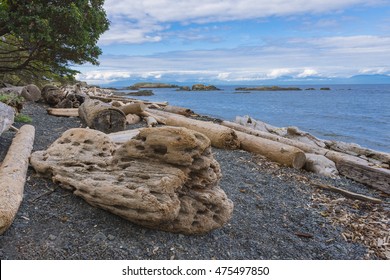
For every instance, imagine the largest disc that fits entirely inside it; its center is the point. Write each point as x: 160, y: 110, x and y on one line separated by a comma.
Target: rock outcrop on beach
x: 164, y: 178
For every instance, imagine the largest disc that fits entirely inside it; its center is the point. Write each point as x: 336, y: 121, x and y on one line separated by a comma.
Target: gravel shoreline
x: 276, y: 215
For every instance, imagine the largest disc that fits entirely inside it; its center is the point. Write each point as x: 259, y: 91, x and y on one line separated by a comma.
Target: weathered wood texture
x: 63, y: 112
x: 275, y: 151
x: 133, y: 108
x: 13, y: 175
x: 178, y: 110
x: 352, y: 167
x: 7, y: 115
x: 101, y: 116
x: 221, y: 137
x: 29, y: 92
x: 165, y: 178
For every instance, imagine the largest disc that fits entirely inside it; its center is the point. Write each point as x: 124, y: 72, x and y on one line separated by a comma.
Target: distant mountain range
x: 285, y: 80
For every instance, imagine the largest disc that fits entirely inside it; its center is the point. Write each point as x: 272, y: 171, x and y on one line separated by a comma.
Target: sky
x: 242, y: 41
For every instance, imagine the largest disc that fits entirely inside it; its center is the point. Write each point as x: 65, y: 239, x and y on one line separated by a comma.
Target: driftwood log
x: 178, y: 110
x: 7, y: 115
x: 13, y: 175
x: 132, y: 119
x: 101, y: 116
x: 63, y: 112
x: 29, y: 92
x: 278, y: 152
x: 52, y: 95
x: 352, y: 167
x: 165, y: 178
x: 133, y: 108
x: 221, y: 137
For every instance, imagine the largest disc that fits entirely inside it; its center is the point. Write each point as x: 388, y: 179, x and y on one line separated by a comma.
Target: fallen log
x: 112, y: 98
x: 178, y: 110
x: 352, y: 167
x: 275, y: 151
x: 221, y: 137
x: 63, y: 112
x: 7, y: 114
x: 30, y: 92
x: 133, y: 108
x: 101, y: 116
x: 13, y: 175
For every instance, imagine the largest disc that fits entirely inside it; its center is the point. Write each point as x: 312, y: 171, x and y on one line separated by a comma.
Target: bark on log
x: 278, y: 152
x: 7, y: 115
x: 30, y: 92
x: 13, y: 175
x: 221, y: 137
x: 178, y: 110
x: 133, y: 108
x: 101, y: 116
x: 63, y: 112
x: 352, y: 167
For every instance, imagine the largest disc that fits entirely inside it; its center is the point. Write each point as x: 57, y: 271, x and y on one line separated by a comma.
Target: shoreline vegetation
x: 245, y: 167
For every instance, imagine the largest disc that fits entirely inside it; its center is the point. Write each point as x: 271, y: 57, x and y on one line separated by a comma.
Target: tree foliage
x: 43, y: 38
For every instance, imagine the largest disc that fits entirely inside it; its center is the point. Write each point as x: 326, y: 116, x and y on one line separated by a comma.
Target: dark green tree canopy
x: 38, y: 36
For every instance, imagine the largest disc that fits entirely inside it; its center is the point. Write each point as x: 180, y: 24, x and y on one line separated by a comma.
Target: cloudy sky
x: 238, y: 41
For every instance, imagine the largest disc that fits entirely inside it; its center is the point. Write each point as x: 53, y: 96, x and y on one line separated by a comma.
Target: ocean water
x: 350, y: 113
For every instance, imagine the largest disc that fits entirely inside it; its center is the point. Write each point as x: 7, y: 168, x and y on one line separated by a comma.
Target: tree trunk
x: 221, y: 137
x: 100, y: 116
x: 278, y: 152
x: 13, y: 175
x: 352, y: 167
x: 7, y: 114
x: 29, y: 92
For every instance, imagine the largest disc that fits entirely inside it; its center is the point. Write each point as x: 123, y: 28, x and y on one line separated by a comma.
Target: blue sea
x: 350, y: 113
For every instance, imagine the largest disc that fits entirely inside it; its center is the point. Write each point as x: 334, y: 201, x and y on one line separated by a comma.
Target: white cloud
x: 138, y: 21
x: 307, y: 73
x: 332, y: 57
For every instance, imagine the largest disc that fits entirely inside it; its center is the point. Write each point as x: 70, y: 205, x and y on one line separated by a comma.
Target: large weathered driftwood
x: 133, y: 108
x: 101, y: 116
x: 29, y: 92
x: 221, y: 137
x: 178, y: 110
x: 165, y: 178
x: 278, y: 152
x: 7, y: 114
x: 13, y: 175
x: 347, y: 165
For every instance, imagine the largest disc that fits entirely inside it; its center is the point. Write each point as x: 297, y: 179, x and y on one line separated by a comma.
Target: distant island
x: 137, y: 86
x: 195, y: 87
x: 267, y: 88
x: 274, y: 88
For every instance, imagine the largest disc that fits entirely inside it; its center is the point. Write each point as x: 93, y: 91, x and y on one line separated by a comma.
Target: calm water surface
x: 350, y: 113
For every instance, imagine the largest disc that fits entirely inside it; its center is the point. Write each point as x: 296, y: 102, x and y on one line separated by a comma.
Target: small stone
x: 52, y: 237
x: 99, y: 237
x: 110, y: 237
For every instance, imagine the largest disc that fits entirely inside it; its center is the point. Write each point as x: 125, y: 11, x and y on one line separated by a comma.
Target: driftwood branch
x: 13, y: 175
x: 348, y: 193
